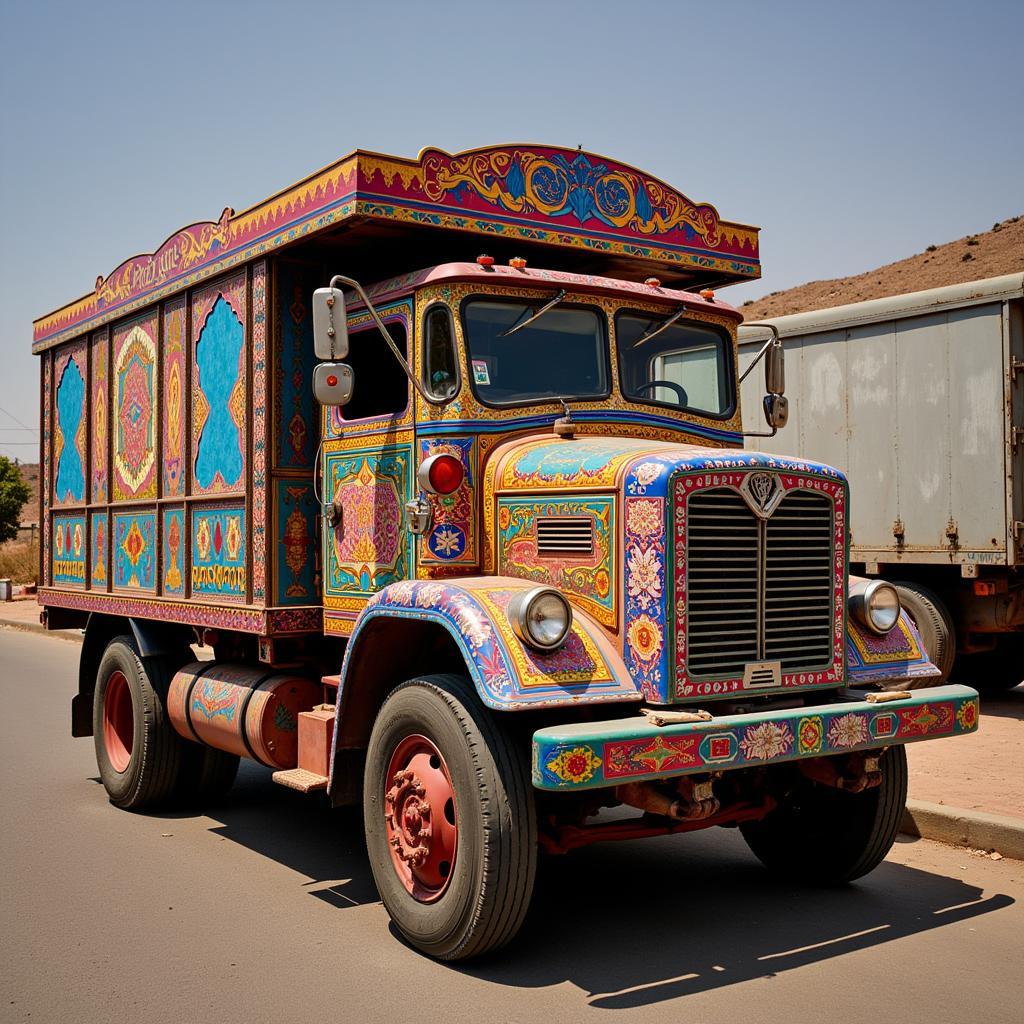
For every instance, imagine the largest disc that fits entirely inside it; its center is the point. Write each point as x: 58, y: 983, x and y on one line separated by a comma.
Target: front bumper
x: 589, y: 755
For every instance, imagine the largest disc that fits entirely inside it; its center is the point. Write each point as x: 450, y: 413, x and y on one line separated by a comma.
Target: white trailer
x: 919, y: 399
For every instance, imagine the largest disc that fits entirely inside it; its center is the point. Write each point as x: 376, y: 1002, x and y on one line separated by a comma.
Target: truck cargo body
x: 919, y: 399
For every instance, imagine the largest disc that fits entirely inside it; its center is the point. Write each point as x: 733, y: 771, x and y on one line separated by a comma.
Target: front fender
x: 897, y: 660
x: 507, y: 674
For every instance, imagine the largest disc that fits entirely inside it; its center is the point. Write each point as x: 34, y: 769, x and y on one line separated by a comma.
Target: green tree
x: 14, y: 493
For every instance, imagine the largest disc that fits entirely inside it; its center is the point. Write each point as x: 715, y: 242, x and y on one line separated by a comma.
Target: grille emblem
x: 762, y: 492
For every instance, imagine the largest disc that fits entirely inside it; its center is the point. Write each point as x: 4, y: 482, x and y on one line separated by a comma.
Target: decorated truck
x: 468, y: 538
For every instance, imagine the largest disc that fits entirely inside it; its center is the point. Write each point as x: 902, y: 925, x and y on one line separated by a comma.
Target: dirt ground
x: 990, y: 254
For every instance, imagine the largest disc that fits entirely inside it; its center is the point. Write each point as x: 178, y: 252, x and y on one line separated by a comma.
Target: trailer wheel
x: 934, y: 623
x: 451, y: 829
x: 137, y: 750
x: 827, y: 836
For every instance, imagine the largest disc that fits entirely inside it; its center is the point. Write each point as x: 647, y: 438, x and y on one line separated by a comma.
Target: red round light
x: 652, y: 282
x: 445, y: 474
x: 485, y: 261
x: 332, y: 381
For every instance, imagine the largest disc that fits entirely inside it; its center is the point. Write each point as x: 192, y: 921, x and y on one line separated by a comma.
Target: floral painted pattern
x: 575, y: 765
x: 766, y: 740
x: 848, y: 730
x: 644, y: 573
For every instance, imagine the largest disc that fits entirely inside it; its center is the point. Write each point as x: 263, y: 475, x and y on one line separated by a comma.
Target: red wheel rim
x: 118, y: 721
x: 419, y: 814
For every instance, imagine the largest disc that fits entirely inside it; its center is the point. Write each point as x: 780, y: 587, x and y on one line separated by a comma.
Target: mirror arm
x: 358, y: 289
x: 759, y: 433
x: 773, y: 340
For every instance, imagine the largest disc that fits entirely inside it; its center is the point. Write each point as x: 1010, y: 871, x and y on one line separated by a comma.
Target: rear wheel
x: 137, y: 751
x: 935, y: 625
x: 825, y: 835
x: 450, y: 823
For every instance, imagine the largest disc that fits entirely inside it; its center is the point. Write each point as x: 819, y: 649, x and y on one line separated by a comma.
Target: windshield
x: 685, y: 366
x: 561, y: 354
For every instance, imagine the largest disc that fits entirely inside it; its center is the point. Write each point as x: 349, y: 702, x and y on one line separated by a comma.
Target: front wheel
x: 450, y: 824
x: 827, y: 836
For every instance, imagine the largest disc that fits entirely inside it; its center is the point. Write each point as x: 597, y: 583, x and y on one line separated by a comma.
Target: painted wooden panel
x: 173, y: 386
x: 370, y: 548
x: 99, y: 389
x: 296, y: 543
x: 134, y: 551
x: 172, y: 554
x: 99, y: 551
x: 134, y: 408
x: 218, y: 386
x: 69, y: 425
x: 295, y: 419
x: 218, y: 552
x: 69, y: 550
x: 452, y: 539
x: 259, y: 432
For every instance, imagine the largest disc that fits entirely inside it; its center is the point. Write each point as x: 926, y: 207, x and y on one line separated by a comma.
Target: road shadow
x: 630, y: 924
x: 1004, y: 705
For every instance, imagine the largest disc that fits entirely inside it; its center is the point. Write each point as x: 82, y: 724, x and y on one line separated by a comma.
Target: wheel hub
x: 118, y: 721
x: 419, y: 815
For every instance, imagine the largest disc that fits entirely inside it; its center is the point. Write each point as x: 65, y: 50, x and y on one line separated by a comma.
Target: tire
x: 994, y: 671
x: 137, y: 751
x: 480, y: 903
x: 935, y: 625
x: 827, y: 836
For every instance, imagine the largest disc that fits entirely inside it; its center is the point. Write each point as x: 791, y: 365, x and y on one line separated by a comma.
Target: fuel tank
x: 241, y: 709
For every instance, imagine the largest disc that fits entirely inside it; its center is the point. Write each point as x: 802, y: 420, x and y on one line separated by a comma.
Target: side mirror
x: 330, y: 326
x: 775, y: 369
x: 333, y: 383
x: 776, y: 411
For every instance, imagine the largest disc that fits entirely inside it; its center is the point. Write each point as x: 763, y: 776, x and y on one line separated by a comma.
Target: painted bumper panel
x: 589, y: 755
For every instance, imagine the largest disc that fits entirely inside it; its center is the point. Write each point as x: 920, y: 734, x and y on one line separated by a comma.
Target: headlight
x: 540, y: 617
x: 876, y: 606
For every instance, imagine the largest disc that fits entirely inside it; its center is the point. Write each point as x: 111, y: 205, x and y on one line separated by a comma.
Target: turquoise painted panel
x: 296, y: 543
x: 69, y: 551
x: 294, y: 415
x: 70, y: 483
x: 134, y: 550
x: 172, y: 552
x: 218, y: 350
x: 218, y: 552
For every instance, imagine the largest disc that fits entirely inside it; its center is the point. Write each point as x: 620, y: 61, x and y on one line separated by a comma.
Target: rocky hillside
x: 995, y: 252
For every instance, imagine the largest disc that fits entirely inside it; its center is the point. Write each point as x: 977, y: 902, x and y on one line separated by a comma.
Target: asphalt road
x: 264, y: 910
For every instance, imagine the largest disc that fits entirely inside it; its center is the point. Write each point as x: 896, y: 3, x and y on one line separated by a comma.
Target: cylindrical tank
x: 241, y: 709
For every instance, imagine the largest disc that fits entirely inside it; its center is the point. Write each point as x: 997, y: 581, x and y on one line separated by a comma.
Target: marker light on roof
x: 517, y: 263
x: 652, y: 282
x: 485, y: 261
x: 708, y: 294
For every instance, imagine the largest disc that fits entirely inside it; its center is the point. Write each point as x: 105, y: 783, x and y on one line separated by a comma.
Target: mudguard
x: 897, y: 660
x: 508, y: 675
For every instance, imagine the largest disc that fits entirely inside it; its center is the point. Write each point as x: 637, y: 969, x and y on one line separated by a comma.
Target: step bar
x: 591, y: 755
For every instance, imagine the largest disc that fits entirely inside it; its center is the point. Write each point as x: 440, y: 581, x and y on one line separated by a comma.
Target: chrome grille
x: 565, y: 535
x: 758, y: 590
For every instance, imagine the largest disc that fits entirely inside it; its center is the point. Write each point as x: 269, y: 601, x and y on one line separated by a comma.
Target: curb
x: 955, y: 826
x: 74, y: 635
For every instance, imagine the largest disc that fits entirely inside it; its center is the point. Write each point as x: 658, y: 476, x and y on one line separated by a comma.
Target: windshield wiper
x: 663, y: 326
x: 536, y: 316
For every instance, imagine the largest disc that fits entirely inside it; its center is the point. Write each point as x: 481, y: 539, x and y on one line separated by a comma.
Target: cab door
x: 368, y: 472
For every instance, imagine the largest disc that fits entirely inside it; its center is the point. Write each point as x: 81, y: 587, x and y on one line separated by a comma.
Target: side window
x: 381, y: 387
x: 440, y: 360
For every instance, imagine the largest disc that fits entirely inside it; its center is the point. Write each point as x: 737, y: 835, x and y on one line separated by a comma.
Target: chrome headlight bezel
x: 864, y: 607
x: 519, y: 614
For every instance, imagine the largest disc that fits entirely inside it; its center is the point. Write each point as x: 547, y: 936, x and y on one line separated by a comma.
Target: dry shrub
x: 19, y: 561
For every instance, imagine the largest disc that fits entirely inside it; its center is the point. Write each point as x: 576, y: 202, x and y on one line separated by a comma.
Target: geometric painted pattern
x: 134, y: 409
x: 134, y: 550
x: 173, y: 387
x: 69, y: 550
x: 172, y: 559
x: 98, y: 417
x: 218, y: 552
x: 70, y: 425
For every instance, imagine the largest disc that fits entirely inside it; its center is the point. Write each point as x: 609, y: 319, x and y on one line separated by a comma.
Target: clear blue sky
x: 853, y: 133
